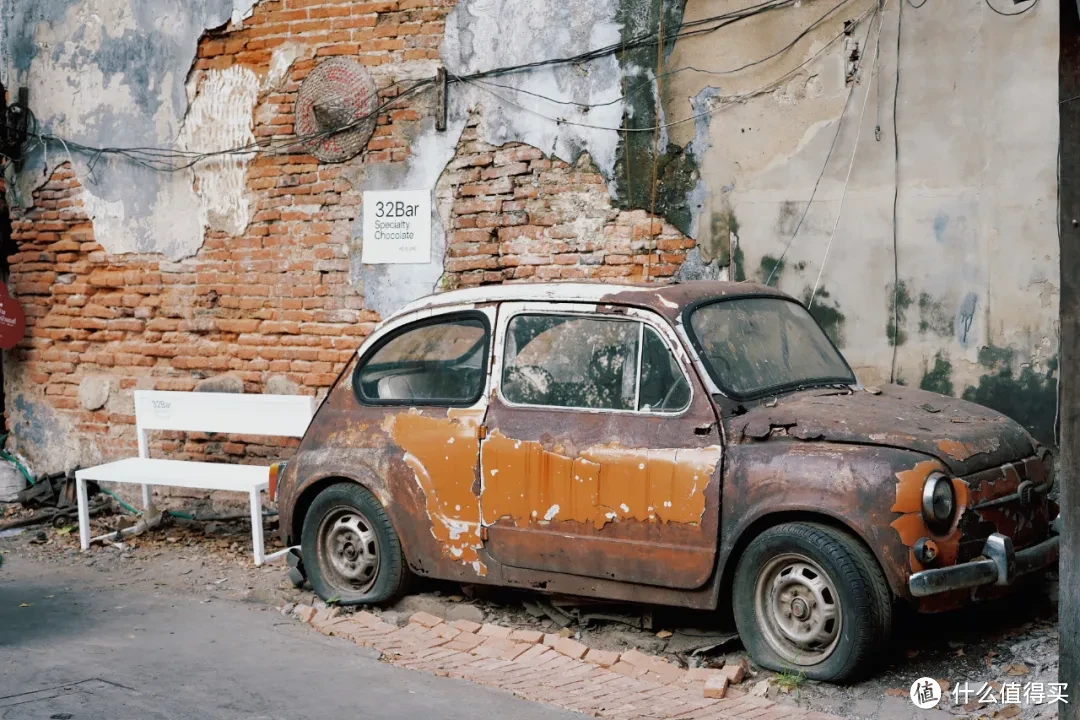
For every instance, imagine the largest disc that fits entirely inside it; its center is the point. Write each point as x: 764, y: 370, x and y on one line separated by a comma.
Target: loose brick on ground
x: 490, y: 630
x: 425, y: 619
x: 716, y: 686
x: 570, y: 648
x: 466, y: 625
x: 527, y: 636
x: 603, y: 658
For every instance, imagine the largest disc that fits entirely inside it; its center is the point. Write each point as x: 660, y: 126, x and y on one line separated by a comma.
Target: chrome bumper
x: 1002, y: 565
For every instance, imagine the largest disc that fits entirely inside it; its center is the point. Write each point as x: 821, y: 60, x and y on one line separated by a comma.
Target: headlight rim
x: 935, y: 523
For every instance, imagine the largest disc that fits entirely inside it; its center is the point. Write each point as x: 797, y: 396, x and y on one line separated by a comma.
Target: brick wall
x: 273, y: 307
x: 518, y: 215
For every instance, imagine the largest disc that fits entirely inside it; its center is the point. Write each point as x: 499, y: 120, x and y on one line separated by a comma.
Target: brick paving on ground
x: 552, y: 669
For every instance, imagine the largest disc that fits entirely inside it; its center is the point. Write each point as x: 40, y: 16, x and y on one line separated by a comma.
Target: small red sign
x: 12, y: 320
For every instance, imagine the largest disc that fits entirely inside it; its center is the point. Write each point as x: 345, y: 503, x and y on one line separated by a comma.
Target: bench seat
x: 180, y: 473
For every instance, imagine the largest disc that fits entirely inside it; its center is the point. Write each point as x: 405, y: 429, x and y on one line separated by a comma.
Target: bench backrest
x: 280, y: 415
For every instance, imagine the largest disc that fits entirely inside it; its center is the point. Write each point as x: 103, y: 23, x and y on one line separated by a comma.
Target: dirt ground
x: 1012, y: 641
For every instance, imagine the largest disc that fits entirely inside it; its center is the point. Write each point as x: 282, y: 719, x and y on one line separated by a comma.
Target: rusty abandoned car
x: 688, y: 445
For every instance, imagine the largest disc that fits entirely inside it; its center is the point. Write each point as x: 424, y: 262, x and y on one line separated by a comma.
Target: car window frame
x: 405, y: 327
x: 633, y: 315
x: 699, y: 350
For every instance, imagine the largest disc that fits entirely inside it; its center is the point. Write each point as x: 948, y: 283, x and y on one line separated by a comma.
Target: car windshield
x: 752, y: 346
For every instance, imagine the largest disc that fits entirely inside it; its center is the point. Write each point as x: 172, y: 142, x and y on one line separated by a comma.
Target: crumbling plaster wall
x: 976, y: 242
x: 104, y: 73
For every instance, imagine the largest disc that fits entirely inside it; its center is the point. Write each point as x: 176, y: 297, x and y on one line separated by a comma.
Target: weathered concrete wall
x: 250, y: 265
x: 975, y: 244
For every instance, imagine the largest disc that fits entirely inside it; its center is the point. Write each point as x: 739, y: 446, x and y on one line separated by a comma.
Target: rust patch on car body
x: 442, y: 453
x: 527, y: 483
x: 963, y: 450
x: 965, y: 437
x: 912, y: 525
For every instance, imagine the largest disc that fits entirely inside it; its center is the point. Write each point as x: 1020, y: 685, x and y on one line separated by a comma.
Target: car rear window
x: 427, y: 363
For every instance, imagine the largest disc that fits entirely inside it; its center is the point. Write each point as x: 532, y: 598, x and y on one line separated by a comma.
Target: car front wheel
x: 350, y: 549
x: 811, y: 599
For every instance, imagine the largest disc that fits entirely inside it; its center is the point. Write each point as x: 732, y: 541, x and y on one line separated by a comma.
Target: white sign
x: 397, y: 226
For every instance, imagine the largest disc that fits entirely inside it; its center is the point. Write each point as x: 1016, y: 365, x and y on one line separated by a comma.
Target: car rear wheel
x: 351, y: 552
x: 811, y: 599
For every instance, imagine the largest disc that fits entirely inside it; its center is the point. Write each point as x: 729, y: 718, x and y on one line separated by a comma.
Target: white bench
x: 279, y: 415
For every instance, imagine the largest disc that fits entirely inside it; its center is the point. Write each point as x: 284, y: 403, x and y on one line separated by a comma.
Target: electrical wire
x: 722, y: 20
x: 912, y: 4
x: 782, y: 50
x: 817, y: 183
x: 650, y: 83
x: 851, y: 166
x: 175, y: 160
x: 896, y: 197
x: 828, y: 155
x: 1006, y: 14
x: 719, y: 101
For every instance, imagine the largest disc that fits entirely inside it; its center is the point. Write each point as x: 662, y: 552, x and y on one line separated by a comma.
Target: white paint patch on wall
x: 219, y: 118
x: 485, y: 34
x: 108, y: 220
x: 242, y: 10
x: 281, y: 60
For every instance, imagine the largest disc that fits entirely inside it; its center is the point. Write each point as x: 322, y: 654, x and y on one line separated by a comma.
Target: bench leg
x: 256, y: 527
x: 147, y: 496
x: 84, y: 514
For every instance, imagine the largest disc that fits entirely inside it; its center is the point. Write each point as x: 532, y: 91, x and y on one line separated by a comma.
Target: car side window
x: 664, y: 387
x: 591, y: 363
x: 427, y: 363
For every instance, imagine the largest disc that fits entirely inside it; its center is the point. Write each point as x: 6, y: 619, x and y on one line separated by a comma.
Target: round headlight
x: 938, y: 501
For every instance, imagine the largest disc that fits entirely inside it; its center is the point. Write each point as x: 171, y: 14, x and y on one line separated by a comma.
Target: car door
x: 423, y: 384
x: 602, y: 455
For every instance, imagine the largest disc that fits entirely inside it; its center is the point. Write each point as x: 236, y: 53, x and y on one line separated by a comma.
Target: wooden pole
x: 1069, y: 376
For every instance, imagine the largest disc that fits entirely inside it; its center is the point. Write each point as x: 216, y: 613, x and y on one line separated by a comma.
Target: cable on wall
x: 174, y: 160
x: 1007, y: 14
x: 847, y: 180
x: 896, y: 197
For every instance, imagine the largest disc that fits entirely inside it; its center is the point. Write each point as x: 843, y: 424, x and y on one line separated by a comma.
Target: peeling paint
x: 220, y: 118
x: 446, y: 473
x: 911, y: 526
x: 962, y: 451
x: 597, y: 485
x: 105, y: 73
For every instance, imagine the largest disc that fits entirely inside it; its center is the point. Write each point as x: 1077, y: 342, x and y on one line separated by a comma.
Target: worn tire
x: 862, y: 593
x: 391, y: 577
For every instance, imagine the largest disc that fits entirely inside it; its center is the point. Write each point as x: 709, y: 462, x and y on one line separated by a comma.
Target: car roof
x: 668, y: 300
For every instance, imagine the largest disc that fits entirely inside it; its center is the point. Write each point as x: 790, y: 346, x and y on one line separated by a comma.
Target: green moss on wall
x: 1030, y: 397
x: 827, y: 313
x: 899, y: 300
x: 676, y: 169
x: 939, y: 378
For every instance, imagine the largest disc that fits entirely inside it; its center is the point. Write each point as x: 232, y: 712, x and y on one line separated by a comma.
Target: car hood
x: 964, y: 436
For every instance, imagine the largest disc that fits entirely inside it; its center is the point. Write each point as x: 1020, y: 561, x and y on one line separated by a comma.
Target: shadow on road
x: 34, y: 611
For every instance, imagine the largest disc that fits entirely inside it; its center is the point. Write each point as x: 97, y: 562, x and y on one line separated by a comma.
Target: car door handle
x: 705, y: 429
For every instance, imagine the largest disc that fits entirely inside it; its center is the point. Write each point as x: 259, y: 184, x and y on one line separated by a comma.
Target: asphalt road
x: 85, y: 649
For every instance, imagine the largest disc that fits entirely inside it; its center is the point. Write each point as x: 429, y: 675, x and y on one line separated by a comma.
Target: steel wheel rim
x: 349, y: 550
x: 798, y: 609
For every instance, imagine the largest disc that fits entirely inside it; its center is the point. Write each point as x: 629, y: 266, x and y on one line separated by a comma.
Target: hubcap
x: 797, y: 609
x: 349, y: 549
